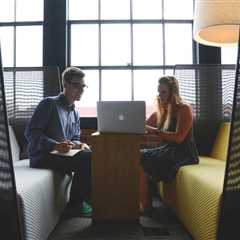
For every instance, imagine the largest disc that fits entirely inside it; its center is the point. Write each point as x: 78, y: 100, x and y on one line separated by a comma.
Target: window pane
x: 84, y: 45
x: 83, y: 9
x: 178, y: 44
x: 116, y: 85
x: 145, y: 87
x: 6, y: 10
x: 147, y: 9
x: 168, y: 72
x: 87, y: 105
x: 115, y: 44
x: 175, y: 9
x: 147, y: 42
x: 229, y: 55
x: 117, y: 9
x: 29, y: 46
x: 6, y: 36
x: 29, y: 10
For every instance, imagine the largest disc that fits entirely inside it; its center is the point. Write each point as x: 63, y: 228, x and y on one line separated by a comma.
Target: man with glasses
x: 55, y: 128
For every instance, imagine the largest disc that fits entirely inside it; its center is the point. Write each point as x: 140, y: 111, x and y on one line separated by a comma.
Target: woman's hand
x: 152, y: 140
x: 151, y: 130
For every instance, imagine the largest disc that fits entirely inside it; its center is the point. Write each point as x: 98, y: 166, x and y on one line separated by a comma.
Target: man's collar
x: 64, y: 102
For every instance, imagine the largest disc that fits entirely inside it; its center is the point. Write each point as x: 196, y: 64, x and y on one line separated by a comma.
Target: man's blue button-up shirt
x: 53, y: 121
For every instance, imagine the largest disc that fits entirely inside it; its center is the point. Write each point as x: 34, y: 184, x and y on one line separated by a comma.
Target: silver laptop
x: 121, y: 116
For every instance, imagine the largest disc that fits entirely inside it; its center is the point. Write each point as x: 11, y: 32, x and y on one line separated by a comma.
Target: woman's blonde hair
x: 164, y: 117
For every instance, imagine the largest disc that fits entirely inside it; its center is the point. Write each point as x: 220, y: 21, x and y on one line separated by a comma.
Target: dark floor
x: 158, y: 224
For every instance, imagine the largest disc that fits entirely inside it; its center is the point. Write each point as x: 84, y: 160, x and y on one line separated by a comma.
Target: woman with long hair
x: 171, y: 124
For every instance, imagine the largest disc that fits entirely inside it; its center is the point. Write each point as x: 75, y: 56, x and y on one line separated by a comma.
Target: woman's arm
x: 151, y: 137
x: 152, y: 120
x: 184, y: 123
x: 151, y: 124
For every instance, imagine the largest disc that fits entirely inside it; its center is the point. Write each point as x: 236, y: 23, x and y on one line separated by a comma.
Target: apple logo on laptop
x: 121, y: 117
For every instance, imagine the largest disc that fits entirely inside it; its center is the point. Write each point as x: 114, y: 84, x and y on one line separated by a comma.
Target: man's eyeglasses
x: 78, y: 85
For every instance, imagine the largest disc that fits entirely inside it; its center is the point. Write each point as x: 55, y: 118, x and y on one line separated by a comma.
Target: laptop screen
x: 121, y: 116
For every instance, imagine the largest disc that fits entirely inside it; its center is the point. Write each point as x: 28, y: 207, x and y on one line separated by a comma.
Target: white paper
x: 70, y: 153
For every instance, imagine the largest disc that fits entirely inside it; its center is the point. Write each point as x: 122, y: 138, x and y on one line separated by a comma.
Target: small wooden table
x: 115, y: 176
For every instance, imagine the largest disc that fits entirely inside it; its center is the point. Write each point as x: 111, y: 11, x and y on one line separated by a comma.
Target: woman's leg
x: 151, y: 167
x: 145, y: 198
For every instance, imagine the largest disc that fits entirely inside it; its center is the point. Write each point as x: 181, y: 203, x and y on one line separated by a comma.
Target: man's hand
x: 64, y: 147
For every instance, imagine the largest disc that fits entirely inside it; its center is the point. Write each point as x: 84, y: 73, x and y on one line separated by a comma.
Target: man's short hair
x: 72, y: 75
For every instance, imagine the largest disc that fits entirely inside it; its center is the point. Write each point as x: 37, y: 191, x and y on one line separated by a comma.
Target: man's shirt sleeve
x: 76, y: 129
x: 37, y: 126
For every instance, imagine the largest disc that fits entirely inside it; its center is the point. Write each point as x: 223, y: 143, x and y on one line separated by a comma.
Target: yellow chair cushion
x: 220, y: 146
x: 195, y: 193
x: 195, y: 196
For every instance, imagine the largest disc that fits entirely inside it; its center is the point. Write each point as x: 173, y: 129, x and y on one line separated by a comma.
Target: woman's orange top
x: 184, y: 118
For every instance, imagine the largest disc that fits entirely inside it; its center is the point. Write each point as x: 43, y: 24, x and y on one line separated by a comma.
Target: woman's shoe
x: 147, y: 211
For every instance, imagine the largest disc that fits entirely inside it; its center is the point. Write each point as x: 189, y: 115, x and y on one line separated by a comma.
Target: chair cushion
x: 220, y: 146
x: 195, y: 195
x: 19, y: 126
x: 43, y: 195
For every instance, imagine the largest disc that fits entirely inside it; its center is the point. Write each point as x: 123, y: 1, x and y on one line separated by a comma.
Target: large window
x: 21, y: 32
x: 124, y: 46
x: 229, y: 55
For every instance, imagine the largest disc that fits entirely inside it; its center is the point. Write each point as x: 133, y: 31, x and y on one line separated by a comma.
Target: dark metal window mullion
x: 21, y: 23
x: 69, y: 43
x: 131, y: 49
x: 14, y: 34
x: 194, y: 49
x: 99, y: 50
x: 194, y: 44
x: 124, y: 67
x: 68, y: 38
x: 14, y: 58
x: 114, y: 21
x: 163, y: 38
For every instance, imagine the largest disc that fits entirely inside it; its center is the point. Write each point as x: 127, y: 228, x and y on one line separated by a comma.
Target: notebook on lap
x: 121, y: 116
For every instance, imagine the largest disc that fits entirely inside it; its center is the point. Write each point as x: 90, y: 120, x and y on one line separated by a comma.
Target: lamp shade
x: 216, y: 22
